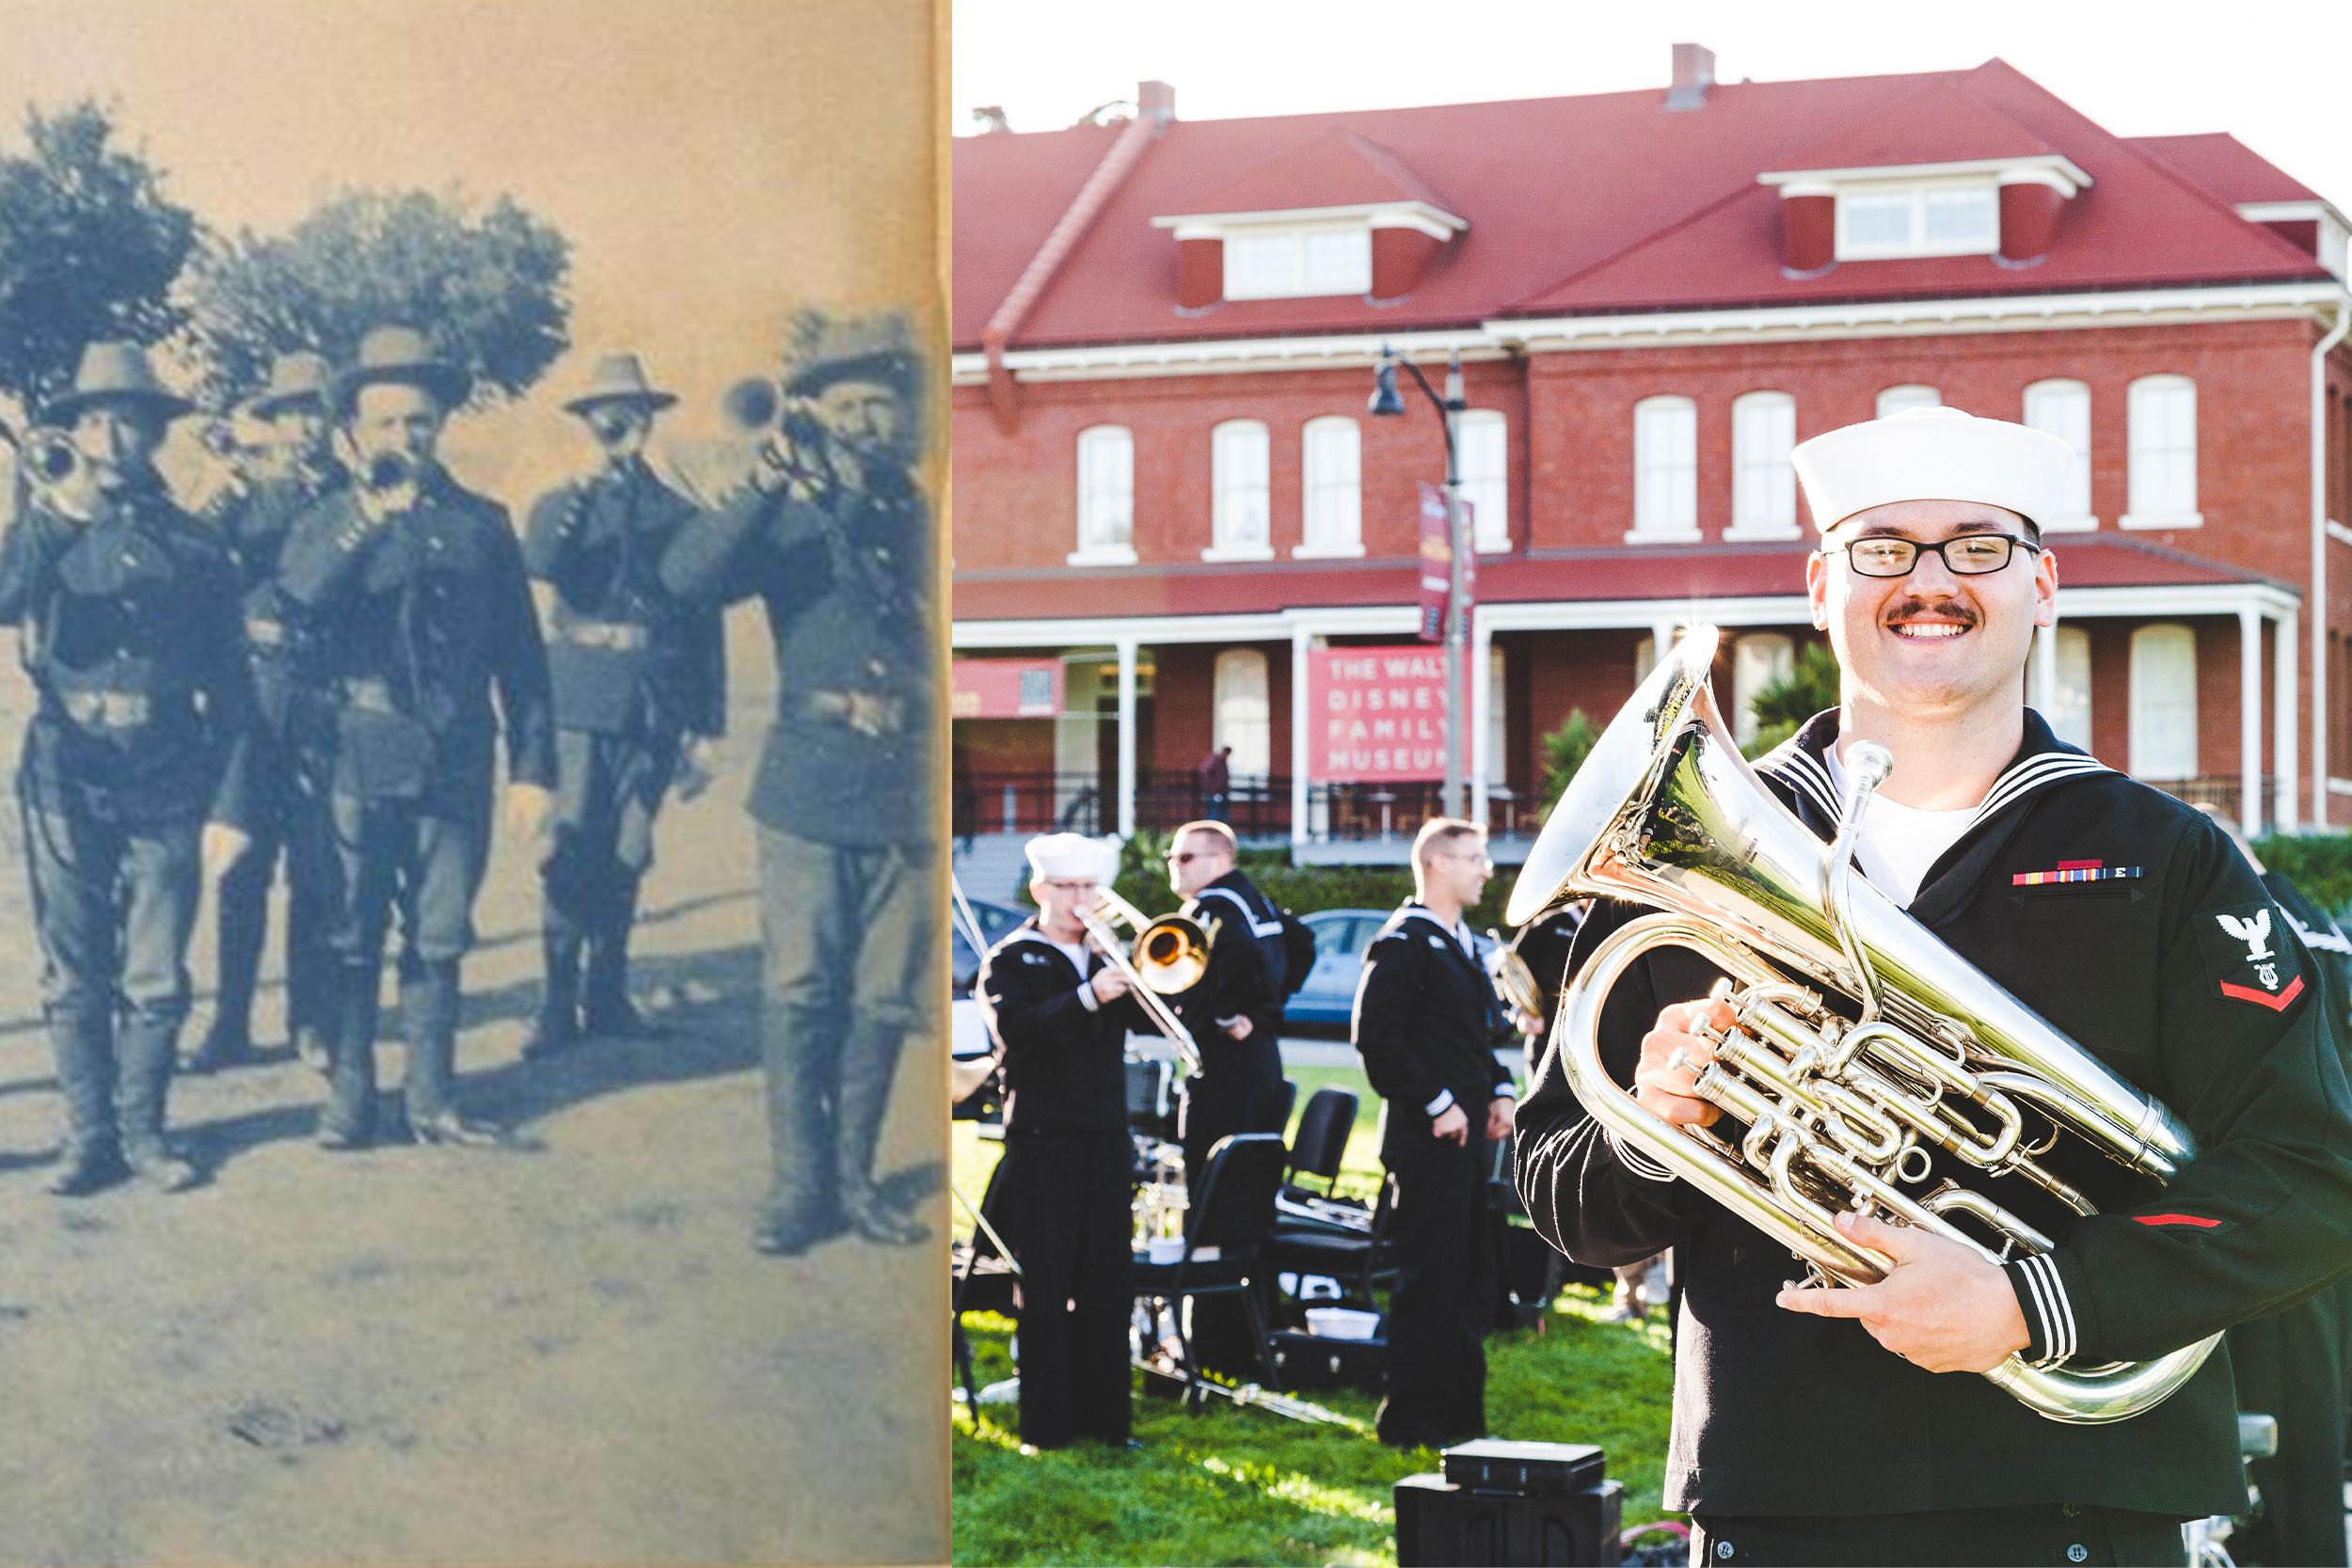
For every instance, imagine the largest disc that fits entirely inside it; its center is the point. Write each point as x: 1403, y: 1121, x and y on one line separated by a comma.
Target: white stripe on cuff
x: 1086, y: 998
x: 2059, y: 1338
x: 1438, y: 1106
x: 1507, y: 1090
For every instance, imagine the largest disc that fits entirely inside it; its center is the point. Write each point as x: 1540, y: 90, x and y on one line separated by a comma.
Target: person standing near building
x: 126, y: 609
x: 1216, y: 776
x: 297, y: 469
x: 1060, y: 1013
x: 1425, y: 1022
x: 834, y: 537
x: 410, y: 594
x: 1235, y: 1013
x: 640, y: 683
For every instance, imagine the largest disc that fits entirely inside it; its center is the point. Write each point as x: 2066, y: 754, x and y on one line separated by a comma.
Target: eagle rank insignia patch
x: 2250, y: 956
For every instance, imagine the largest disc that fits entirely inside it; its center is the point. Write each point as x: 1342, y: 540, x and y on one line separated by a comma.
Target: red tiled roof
x: 1338, y: 168
x: 1938, y: 125
x: 2227, y: 167
x: 1561, y: 194
x: 1669, y: 574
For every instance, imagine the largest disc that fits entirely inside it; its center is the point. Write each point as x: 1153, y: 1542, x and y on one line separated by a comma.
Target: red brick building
x: 1167, y: 494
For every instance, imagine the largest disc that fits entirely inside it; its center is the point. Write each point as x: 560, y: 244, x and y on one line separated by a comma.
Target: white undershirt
x: 1898, y: 842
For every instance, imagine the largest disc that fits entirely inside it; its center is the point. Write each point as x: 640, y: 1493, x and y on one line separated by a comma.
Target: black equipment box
x: 1439, y: 1522
x: 1494, y: 1464
x: 1315, y: 1361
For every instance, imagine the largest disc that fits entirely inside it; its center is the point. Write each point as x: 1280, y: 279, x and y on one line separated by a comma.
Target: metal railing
x: 2221, y: 791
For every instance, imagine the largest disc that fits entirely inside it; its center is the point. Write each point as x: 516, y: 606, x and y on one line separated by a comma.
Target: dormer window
x: 2004, y: 208
x: 1297, y: 263
x: 1919, y: 220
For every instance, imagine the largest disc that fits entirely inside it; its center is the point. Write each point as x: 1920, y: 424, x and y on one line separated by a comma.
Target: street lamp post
x: 1387, y: 403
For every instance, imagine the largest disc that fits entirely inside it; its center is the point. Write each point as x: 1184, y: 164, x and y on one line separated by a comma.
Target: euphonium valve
x: 1869, y: 1066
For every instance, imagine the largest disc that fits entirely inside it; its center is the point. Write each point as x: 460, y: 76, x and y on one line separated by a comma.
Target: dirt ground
x: 564, y: 1353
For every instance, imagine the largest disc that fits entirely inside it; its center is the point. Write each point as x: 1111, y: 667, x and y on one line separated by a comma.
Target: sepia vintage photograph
x: 473, y: 1031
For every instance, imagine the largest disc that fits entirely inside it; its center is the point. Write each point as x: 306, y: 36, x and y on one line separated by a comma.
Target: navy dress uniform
x: 1239, y: 1087
x: 410, y: 623
x: 1425, y: 1022
x: 1068, y: 1182
x: 844, y: 797
x: 128, y: 629
x: 287, y: 799
x: 637, y: 676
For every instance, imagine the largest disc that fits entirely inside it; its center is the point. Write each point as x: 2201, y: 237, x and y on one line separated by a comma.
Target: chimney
x: 991, y: 118
x: 1156, y: 101
x: 1694, y: 72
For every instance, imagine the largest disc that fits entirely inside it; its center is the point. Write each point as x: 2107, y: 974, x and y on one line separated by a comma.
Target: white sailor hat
x: 1934, y: 454
x: 1072, y: 858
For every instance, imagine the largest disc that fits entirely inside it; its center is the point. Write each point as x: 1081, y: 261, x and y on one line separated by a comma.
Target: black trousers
x: 1240, y: 1092
x: 1070, y: 1196
x: 2290, y: 1365
x: 1445, y: 1299
x: 2050, y: 1533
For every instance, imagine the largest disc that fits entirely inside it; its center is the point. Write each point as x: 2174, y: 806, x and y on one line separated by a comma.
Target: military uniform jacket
x: 1246, y: 969
x: 845, y: 579
x: 409, y: 627
x: 255, y: 526
x: 2133, y: 925
x: 1425, y: 1023
x: 1065, y: 1054
x: 624, y: 656
x: 128, y: 628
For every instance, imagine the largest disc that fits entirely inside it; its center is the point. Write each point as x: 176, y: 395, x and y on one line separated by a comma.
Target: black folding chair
x: 1321, y: 1142
x: 983, y: 1278
x: 1225, y: 1247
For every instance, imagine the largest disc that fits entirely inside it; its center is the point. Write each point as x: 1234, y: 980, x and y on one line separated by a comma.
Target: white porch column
x: 2045, y: 670
x: 2284, y: 726
x: 1301, y: 642
x: 2249, y: 719
x: 1482, y: 699
x: 1661, y: 639
x: 1126, y: 738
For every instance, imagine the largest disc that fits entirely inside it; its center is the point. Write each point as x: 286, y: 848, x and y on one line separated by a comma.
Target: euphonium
x: 1831, y: 1111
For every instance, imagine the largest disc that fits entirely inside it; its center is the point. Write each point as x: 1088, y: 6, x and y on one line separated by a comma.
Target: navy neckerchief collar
x: 1029, y: 931
x: 1413, y: 908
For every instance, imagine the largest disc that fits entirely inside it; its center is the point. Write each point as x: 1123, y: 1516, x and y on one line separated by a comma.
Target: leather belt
x: 619, y: 636
x: 868, y: 713
x: 108, y: 710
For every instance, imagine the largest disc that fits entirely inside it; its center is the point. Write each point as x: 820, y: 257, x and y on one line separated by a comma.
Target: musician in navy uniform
x: 1060, y: 1013
x: 126, y: 609
x: 1235, y: 1013
x: 835, y: 539
x: 409, y: 594
x: 1425, y: 1022
x: 1823, y: 1425
x: 640, y: 683
x: 295, y: 470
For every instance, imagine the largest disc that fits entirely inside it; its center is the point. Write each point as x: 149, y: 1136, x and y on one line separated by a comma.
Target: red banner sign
x: 1436, y: 561
x: 1377, y: 714
x: 1007, y: 688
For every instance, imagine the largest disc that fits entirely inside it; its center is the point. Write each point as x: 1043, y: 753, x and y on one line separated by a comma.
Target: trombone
x: 1169, y: 956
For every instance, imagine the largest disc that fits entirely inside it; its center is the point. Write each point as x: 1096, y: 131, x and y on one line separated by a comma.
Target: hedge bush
x: 1300, y: 889
x: 2318, y: 864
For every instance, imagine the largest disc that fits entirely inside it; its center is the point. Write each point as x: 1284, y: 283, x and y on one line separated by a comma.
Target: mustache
x: 1910, y: 606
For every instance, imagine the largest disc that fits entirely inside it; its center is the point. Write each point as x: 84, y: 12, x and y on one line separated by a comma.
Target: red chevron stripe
x: 2198, y: 1220
x: 2276, y: 1003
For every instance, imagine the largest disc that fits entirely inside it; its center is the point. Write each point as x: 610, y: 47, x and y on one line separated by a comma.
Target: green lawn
x: 1237, y: 1485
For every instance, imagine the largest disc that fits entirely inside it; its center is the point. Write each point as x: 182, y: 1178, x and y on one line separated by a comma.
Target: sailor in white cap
x: 2110, y: 909
x: 1061, y: 1013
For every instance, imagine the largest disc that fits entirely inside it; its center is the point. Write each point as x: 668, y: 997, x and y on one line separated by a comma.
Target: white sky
x: 2268, y: 71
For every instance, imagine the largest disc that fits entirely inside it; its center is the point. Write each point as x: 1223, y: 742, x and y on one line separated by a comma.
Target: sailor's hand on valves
x: 1672, y: 1056
x: 1110, y: 984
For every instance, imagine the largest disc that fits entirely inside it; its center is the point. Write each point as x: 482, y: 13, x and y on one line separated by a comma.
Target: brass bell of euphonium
x: 1862, y: 1042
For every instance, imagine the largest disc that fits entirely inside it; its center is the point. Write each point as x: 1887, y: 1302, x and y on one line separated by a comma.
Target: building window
x: 1334, y: 492
x: 2062, y: 408
x: 1106, y: 497
x: 1764, y: 483
x: 2164, y: 703
x: 1758, y: 659
x: 2068, y: 709
x: 1896, y: 399
x: 1919, y: 220
x: 1237, y: 460
x: 1295, y: 263
x: 1243, y: 716
x: 2164, y: 453
x: 1665, y: 469
x: 1486, y: 463
x: 1496, y: 734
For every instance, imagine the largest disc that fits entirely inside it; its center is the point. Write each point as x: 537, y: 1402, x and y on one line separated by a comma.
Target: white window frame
x: 2156, y: 700
x: 1484, y: 461
x: 1241, y: 714
x: 1763, y: 480
x: 2148, y: 509
x: 2060, y: 406
x: 2069, y: 717
x: 1919, y: 197
x: 1759, y: 659
x: 1106, y: 481
x: 1498, y: 732
x: 1309, y: 266
x: 1665, y: 471
x: 1345, y: 493
x: 1241, y: 492
x: 1894, y: 400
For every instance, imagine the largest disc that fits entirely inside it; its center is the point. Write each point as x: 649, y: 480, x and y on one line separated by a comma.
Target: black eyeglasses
x: 1967, y: 555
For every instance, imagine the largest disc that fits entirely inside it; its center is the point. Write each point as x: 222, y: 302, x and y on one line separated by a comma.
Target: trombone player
x: 1060, y: 1007
x: 1825, y: 1425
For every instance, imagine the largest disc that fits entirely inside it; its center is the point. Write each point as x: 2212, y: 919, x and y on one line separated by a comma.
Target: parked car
x: 968, y: 1034
x: 1329, y: 997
